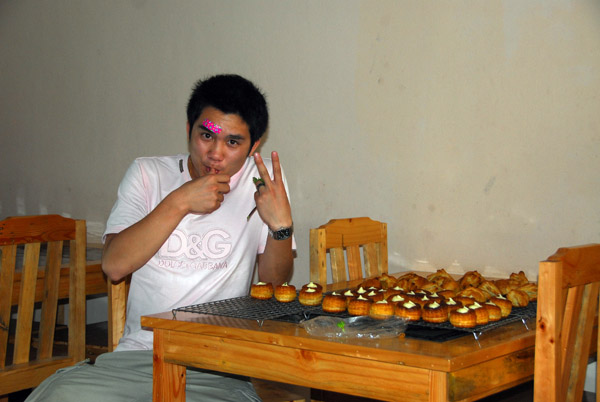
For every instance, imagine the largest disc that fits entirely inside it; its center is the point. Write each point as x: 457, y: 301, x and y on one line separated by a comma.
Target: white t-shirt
x: 207, y: 257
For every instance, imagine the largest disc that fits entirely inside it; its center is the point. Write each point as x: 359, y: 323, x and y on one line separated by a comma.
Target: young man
x: 185, y: 227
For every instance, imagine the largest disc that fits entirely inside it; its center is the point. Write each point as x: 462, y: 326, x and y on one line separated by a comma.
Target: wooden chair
x: 343, y: 240
x: 19, y: 368
x: 567, y: 313
x: 269, y: 391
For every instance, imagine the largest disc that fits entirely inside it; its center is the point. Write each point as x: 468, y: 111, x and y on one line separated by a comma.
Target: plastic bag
x: 355, y: 327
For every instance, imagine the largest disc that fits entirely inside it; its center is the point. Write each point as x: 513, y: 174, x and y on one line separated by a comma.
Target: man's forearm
x: 130, y: 249
x: 276, y: 264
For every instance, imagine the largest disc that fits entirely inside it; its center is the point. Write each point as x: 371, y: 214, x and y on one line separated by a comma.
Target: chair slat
x: 7, y: 273
x: 338, y: 264
x: 354, y: 263
x: 50, y: 298
x: 77, y: 258
x: 582, y: 342
x: 26, y: 304
x: 371, y: 259
x: 318, y: 256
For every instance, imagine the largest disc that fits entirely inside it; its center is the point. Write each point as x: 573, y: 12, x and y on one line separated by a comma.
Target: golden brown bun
x: 313, y: 285
x: 506, y: 285
x: 451, y: 284
x: 371, y: 283
x: 387, y: 281
x: 431, y: 287
x: 465, y: 300
x: 452, y: 305
x: 439, y: 276
x: 310, y: 297
x: 479, y: 295
x: 349, y: 295
x: 381, y: 310
x: 518, y: 298
x: 285, y: 293
x: 395, y: 299
x: 490, y: 288
x: 494, y: 311
x: 504, y: 304
x: 435, y: 312
x: 396, y: 290
x: 359, y: 306
x: 261, y: 290
x: 409, y: 311
x: 334, y: 303
x: 531, y: 289
x: 375, y: 295
x: 463, y: 318
x: 482, y: 316
x: 446, y: 294
x: 520, y: 278
x: 470, y: 279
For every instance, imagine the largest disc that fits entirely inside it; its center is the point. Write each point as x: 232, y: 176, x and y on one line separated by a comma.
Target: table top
x: 445, y: 356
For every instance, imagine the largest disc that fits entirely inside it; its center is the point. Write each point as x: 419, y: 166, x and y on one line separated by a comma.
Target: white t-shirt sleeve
x: 132, y: 200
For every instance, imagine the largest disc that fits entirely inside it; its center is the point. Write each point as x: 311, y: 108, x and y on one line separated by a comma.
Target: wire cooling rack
x: 294, y: 312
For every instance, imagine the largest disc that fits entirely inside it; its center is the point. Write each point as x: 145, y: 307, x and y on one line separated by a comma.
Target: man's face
x: 219, y: 143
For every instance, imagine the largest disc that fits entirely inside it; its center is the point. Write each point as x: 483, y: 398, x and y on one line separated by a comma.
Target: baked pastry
x: 450, y: 284
x: 359, y: 306
x: 422, y: 300
x: 490, y: 288
x: 387, y: 281
x: 285, y: 293
x: 349, y: 295
x: 395, y: 299
x: 470, y: 279
x: 396, y: 290
x: 361, y: 291
x: 313, y: 285
x: 520, y: 278
x: 334, y: 303
x: 408, y: 310
x: 479, y: 295
x: 261, y: 290
x: 482, y: 316
x: 494, y: 311
x: 452, y: 305
x: 531, y: 289
x: 504, y: 304
x: 434, y: 312
x: 518, y: 298
x: 447, y: 294
x: 431, y: 287
x: 381, y: 310
x: 505, y: 285
x: 439, y: 276
x: 464, y: 300
x: 463, y: 317
x: 371, y: 283
x: 375, y: 295
x: 310, y: 296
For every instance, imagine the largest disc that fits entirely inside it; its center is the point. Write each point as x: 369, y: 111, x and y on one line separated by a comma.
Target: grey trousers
x: 127, y: 376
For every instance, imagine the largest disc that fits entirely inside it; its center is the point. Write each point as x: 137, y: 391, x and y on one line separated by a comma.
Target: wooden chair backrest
x: 343, y: 240
x: 567, y: 312
x: 117, y: 310
x: 25, y: 369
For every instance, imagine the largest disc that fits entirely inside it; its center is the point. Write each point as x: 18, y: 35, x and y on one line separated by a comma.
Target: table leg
x: 168, y: 378
x: 438, y: 386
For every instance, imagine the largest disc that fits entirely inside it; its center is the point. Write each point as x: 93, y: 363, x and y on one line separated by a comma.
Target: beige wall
x: 472, y: 128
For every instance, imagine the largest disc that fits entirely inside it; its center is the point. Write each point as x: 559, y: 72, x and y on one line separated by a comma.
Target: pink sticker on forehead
x: 215, y: 128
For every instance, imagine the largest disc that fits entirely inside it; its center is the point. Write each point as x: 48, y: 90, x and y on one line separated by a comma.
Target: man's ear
x: 254, y: 147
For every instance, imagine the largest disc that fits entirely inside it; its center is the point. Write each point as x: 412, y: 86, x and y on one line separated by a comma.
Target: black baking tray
x: 294, y: 312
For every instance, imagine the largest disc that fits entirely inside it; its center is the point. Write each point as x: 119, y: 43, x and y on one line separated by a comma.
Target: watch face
x: 282, y: 234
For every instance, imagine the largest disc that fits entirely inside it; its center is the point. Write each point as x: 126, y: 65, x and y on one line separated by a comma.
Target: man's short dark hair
x: 231, y: 94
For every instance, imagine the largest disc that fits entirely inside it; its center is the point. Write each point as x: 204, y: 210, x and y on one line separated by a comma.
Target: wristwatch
x: 281, y: 233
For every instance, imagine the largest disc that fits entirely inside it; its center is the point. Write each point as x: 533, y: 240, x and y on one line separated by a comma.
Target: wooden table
x: 389, y: 369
